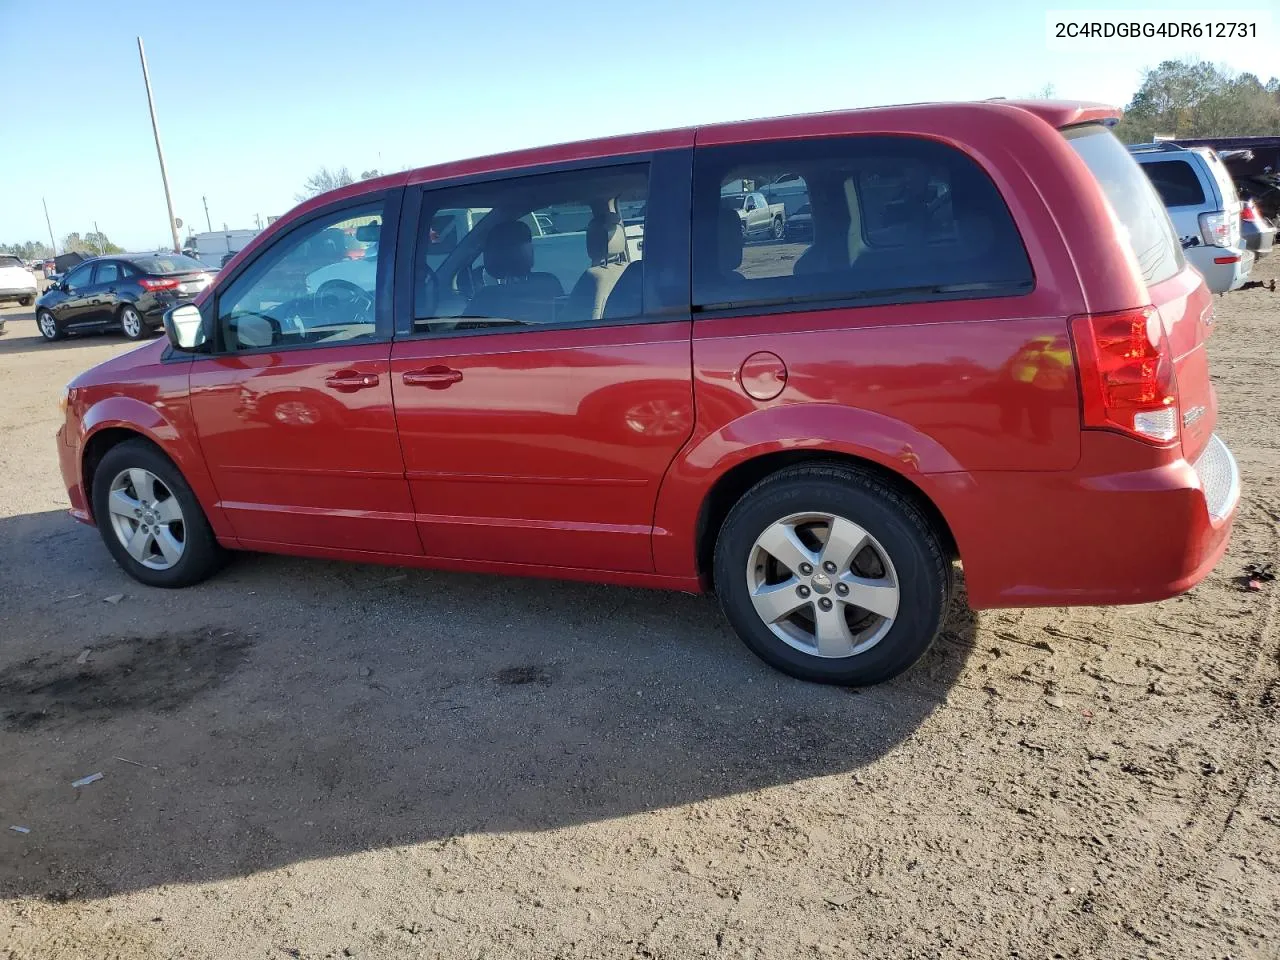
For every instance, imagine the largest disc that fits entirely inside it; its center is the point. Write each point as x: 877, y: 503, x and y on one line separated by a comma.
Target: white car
x: 1204, y: 207
x: 16, y: 281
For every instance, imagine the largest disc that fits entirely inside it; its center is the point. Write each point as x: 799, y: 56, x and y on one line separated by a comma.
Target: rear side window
x: 1137, y: 205
x: 889, y: 220
x: 1176, y: 182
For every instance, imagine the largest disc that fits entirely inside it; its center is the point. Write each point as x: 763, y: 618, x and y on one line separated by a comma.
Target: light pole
x: 155, y: 129
x: 52, y: 242
x: 207, y: 222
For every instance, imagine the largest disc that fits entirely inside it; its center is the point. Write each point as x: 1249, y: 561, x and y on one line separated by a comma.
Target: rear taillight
x: 148, y: 283
x: 1247, y: 212
x: 1219, y: 230
x: 1126, y: 374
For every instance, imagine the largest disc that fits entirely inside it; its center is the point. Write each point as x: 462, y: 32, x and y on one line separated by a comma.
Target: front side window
x: 79, y: 277
x: 878, y: 219
x: 316, y: 285
x: 564, y: 248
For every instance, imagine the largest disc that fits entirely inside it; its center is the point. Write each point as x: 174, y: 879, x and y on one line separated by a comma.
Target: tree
x: 1047, y: 92
x: 91, y: 243
x: 370, y: 174
x: 1195, y: 98
x: 324, y: 180
x: 31, y: 250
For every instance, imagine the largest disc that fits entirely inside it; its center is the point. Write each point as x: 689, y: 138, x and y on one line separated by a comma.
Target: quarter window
x: 1176, y: 182
x: 318, y: 285
x: 865, y: 219
x: 549, y: 249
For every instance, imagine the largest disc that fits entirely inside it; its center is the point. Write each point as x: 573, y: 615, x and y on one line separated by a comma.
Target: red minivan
x: 984, y: 346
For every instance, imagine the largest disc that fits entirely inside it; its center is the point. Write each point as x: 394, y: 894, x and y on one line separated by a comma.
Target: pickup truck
x: 759, y: 217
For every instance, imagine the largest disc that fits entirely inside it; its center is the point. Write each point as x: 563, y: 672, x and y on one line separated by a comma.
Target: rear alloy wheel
x: 150, y: 519
x: 131, y: 324
x: 829, y: 574
x: 48, y: 326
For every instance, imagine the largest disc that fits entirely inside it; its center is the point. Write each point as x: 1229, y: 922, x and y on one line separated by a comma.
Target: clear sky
x: 254, y: 96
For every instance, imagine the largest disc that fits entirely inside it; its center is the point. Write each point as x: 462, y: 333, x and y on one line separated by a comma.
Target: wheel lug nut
x: 825, y: 603
x: 806, y: 569
x: 802, y: 591
x: 842, y: 589
x: 829, y: 567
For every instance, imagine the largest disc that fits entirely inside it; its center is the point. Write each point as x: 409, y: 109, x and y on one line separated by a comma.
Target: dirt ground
x: 308, y: 759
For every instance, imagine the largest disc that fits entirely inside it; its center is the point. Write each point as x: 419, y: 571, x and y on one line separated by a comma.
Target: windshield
x: 733, y: 203
x: 7, y: 261
x: 168, y: 263
x: 1137, y: 205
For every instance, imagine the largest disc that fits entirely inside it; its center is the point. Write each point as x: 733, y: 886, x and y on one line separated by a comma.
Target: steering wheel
x: 341, y: 301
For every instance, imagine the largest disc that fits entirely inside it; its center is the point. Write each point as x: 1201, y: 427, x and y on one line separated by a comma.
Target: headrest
x: 606, y: 239
x: 729, y: 242
x: 508, y: 250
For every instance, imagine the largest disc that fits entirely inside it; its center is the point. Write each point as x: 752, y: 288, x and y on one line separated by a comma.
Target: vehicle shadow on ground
x: 21, y: 336
x: 289, y: 710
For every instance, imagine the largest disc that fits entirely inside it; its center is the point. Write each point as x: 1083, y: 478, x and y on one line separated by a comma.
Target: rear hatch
x: 177, y: 275
x: 1179, y: 294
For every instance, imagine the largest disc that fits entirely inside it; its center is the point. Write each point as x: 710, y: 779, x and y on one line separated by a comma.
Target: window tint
x: 886, y: 219
x: 106, y: 273
x: 547, y: 249
x: 79, y: 277
x: 1176, y: 182
x: 315, y: 285
x: 1137, y: 205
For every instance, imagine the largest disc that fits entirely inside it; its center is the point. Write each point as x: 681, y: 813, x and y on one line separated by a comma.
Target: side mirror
x: 184, y: 326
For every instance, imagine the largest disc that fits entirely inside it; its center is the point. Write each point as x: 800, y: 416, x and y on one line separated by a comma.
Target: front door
x: 294, y: 409
x: 543, y: 382
x: 79, y: 291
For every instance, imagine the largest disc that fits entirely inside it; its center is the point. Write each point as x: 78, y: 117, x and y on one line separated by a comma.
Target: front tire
x: 131, y: 324
x: 778, y: 228
x: 48, y: 326
x: 830, y: 575
x: 149, y: 518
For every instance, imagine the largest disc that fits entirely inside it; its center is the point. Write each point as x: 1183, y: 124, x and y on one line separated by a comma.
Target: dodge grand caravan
x: 987, y: 348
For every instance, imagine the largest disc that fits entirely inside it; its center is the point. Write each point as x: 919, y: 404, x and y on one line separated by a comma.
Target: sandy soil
x: 305, y: 759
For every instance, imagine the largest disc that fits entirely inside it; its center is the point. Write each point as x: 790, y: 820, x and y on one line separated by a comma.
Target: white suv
x: 16, y: 281
x: 1205, y: 210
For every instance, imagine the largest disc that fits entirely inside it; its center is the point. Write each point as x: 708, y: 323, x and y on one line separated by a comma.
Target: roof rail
x: 1160, y: 146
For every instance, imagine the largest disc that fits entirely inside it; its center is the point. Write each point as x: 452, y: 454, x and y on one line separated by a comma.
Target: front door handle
x: 346, y: 381
x: 433, y: 378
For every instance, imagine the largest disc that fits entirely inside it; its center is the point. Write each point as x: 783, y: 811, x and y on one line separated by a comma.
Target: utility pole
x: 97, y: 235
x: 52, y: 242
x: 257, y: 218
x: 207, y: 222
x: 155, y: 129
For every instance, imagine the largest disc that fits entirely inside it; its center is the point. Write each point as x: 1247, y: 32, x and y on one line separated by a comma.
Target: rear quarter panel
x: 939, y: 392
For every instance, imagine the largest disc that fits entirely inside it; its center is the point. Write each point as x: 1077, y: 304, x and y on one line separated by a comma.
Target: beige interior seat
x: 607, y: 251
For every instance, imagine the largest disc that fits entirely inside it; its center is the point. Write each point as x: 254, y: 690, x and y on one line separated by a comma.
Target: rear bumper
x: 1221, y: 277
x: 1096, y: 535
x: 17, y: 293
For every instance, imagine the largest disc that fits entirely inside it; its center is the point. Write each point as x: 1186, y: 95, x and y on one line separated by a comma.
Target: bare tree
x: 324, y: 180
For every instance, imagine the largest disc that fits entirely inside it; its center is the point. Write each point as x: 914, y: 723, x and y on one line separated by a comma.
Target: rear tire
x: 199, y: 555
x: 131, y: 324
x: 48, y: 326
x: 26, y: 301
x: 824, y: 634
x: 778, y: 228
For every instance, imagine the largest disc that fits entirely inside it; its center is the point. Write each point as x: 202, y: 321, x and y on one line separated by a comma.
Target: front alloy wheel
x: 48, y: 326
x: 147, y: 518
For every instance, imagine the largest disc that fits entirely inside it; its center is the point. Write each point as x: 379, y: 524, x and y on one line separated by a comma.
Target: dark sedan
x: 128, y: 292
